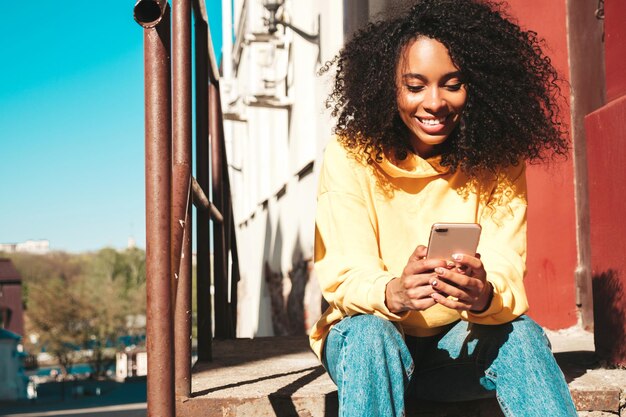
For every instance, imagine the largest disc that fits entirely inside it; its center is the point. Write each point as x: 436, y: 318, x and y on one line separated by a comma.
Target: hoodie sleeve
x: 352, y: 275
x: 503, y: 249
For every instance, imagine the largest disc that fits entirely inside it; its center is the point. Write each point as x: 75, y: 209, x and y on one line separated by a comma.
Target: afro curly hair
x: 511, y: 113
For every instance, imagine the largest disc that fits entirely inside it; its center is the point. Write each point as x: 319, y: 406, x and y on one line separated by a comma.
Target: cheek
x: 461, y: 101
x: 405, y: 104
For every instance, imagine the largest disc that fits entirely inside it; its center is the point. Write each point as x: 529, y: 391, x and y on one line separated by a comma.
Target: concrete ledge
x: 600, y: 390
x: 280, y: 376
x: 277, y: 376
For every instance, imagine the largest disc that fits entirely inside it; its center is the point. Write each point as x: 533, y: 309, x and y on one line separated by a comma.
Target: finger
x: 450, y: 303
x: 416, y: 267
x: 418, y: 280
x: 418, y: 253
x: 452, y: 290
x: 423, y: 304
x: 466, y: 260
x: 456, y: 278
x: 463, y: 269
x: 419, y: 293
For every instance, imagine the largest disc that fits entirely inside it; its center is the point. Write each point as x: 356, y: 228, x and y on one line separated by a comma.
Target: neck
x: 424, y: 150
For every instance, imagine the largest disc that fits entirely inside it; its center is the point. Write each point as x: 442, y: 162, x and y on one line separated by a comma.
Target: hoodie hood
x: 413, y: 166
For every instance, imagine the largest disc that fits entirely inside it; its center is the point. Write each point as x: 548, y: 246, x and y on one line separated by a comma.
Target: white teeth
x: 432, y: 122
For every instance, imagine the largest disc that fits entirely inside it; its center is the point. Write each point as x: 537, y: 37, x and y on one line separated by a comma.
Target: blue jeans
x: 375, y: 368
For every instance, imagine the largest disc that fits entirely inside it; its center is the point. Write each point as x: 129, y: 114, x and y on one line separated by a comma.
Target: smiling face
x: 431, y: 94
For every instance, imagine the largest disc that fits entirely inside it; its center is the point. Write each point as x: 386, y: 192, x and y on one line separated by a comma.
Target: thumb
x: 419, y: 252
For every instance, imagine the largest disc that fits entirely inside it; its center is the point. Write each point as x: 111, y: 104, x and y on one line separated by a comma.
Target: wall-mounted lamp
x: 272, y: 6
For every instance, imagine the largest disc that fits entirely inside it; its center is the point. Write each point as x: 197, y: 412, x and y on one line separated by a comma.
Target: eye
x: 415, y: 88
x: 453, y: 86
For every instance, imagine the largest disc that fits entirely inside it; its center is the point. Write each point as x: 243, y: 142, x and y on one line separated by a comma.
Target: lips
x: 433, y: 125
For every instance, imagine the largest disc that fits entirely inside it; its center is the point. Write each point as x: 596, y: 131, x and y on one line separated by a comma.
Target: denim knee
x: 367, y: 329
x: 527, y: 378
x: 526, y: 333
x: 367, y: 358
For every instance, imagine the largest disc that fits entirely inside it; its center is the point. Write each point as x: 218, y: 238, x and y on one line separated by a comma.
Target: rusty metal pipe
x: 203, y: 267
x: 181, y: 190
x: 182, y: 318
x: 148, y: 13
x: 201, y: 201
x: 159, y: 330
x: 181, y: 123
x: 199, y: 8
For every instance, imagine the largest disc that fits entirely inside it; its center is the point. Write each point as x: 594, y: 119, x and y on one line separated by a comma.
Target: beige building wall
x: 276, y: 130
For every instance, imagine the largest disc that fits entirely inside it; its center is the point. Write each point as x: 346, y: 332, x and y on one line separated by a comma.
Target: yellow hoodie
x: 371, y: 217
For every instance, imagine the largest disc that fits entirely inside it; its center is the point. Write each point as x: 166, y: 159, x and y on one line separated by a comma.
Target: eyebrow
x: 421, y: 77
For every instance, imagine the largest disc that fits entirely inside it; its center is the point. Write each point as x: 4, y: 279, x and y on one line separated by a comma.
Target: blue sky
x: 72, y: 123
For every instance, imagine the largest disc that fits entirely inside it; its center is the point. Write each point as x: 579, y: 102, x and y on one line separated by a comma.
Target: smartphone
x: 449, y: 238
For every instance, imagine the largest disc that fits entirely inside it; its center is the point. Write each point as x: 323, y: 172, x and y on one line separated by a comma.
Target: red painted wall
x: 615, y: 48
x: 606, y: 157
x: 11, y: 296
x: 552, y: 253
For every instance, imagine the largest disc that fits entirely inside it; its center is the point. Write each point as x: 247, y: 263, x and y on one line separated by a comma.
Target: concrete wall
x: 275, y: 144
x: 586, y: 56
x: 606, y: 153
x: 552, y: 245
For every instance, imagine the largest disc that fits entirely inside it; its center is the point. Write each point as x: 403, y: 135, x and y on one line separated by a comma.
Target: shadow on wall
x: 293, y: 295
x: 609, y: 309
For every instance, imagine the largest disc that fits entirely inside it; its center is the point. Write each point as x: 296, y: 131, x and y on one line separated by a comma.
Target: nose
x: 433, y: 101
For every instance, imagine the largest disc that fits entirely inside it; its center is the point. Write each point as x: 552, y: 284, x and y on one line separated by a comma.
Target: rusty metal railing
x: 170, y: 193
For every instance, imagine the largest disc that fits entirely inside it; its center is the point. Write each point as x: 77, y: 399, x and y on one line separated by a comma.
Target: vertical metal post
x: 182, y: 316
x: 231, y: 242
x: 222, y: 316
x: 229, y: 232
x: 203, y: 267
x: 235, y: 268
x: 159, y: 331
x: 181, y: 191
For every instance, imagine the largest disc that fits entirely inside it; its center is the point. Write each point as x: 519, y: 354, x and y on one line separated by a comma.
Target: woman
x: 437, y: 111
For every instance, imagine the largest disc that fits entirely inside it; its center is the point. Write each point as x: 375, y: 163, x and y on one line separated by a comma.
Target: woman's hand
x: 466, y: 282
x: 413, y: 290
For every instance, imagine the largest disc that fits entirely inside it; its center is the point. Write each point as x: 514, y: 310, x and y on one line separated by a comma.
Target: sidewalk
x: 115, y: 400
x: 279, y: 376
x: 597, y: 391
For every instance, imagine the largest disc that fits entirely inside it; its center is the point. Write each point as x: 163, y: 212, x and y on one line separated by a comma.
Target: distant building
x: 8, y: 247
x: 39, y: 247
x: 131, y: 363
x: 11, y: 311
x: 13, y: 382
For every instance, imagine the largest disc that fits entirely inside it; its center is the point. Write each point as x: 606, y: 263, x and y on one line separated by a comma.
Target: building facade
x: 39, y: 247
x: 11, y: 306
x: 276, y: 129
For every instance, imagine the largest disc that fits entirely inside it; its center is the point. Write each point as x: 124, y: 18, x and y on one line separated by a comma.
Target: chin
x: 430, y: 141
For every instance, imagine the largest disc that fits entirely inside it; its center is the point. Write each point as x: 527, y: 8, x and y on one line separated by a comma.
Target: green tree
x: 56, y: 314
x: 84, y: 301
x: 114, y: 290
